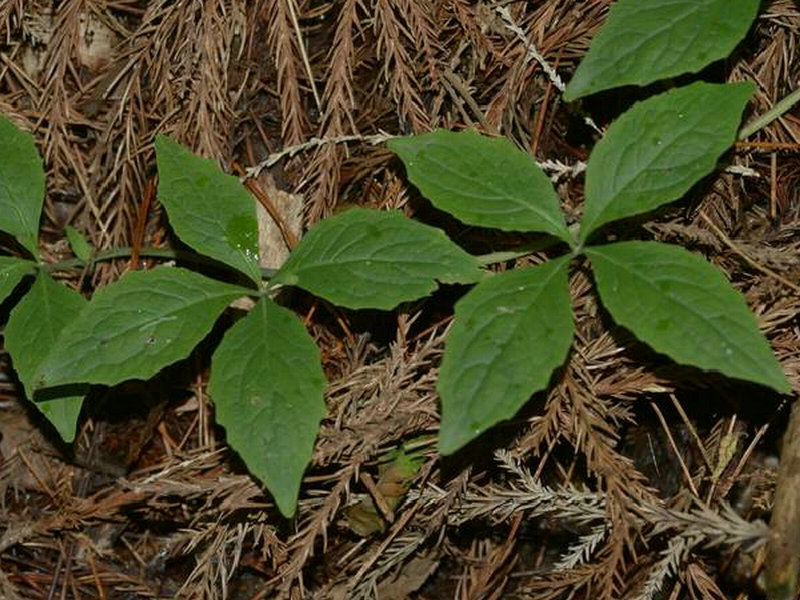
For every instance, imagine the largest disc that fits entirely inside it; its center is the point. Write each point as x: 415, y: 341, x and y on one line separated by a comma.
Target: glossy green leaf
x: 32, y: 330
x: 267, y: 386
x: 659, y: 149
x: 12, y: 270
x: 510, y: 332
x: 80, y: 247
x: 646, y: 40
x: 482, y: 181
x: 683, y: 307
x: 375, y: 259
x: 210, y: 211
x: 133, y: 328
x: 21, y: 185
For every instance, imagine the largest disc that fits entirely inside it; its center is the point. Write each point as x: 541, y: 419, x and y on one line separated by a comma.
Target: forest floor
x: 629, y: 478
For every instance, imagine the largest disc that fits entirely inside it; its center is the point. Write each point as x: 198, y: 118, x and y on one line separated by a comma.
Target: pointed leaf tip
x: 482, y: 181
x: 682, y: 306
x: 209, y: 210
x: 366, y: 258
x: 80, y: 247
x: 267, y: 386
x: 32, y: 330
x: 511, y: 332
x: 136, y: 326
x: 643, y: 41
x: 657, y: 150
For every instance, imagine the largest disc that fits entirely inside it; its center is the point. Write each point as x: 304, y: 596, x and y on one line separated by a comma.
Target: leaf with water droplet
x: 241, y: 231
x: 701, y: 320
x: 210, y: 211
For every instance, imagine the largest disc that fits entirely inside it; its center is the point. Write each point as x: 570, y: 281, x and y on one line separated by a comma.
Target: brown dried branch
x: 277, y: 15
x: 398, y: 68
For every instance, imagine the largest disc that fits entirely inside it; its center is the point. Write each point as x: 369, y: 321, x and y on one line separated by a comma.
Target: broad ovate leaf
x: 646, y: 40
x: 210, y: 211
x: 21, y: 185
x: 510, y: 332
x: 365, y: 258
x: 482, y: 181
x: 12, y: 270
x: 267, y: 386
x: 683, y: 307
x: 659, y: 149
x: 32, y: 330
x: 133, y: 328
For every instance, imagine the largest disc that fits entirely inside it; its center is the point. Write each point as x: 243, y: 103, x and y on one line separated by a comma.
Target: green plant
x: 511, y: 330
x: 266, y: 380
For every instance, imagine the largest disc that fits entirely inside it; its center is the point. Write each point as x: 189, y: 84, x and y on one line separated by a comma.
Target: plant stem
x: 125, y: 252
x: 768, y: 117
x: 505, y: 255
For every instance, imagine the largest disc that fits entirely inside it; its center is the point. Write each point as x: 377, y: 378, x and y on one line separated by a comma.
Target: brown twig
x: 288, y: 236
x: 141, y: 223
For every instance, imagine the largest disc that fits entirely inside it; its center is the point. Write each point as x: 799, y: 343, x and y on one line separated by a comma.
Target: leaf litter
x: 631, y: 477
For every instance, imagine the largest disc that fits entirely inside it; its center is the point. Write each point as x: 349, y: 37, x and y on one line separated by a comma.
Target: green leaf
x: 63, y: 414
x: 21, y: 185
x: 267, y: 386
x: 646, y: 40
x: 482, y: 181
x: 210, y: 211
x: 12, y: 270
x: 374, y: 259
x: 510, y: 332
x: 659, y: 149
x: 133, y: 328
x: 684, y: 307
x: 33, y: 327
x: 78, y: 243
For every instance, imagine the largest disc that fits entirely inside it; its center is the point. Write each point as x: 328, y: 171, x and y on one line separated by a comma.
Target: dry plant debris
x: 631, y: 478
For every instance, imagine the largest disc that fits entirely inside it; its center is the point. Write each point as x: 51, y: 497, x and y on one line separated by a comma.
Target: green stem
x: 525, y: 250
x: 768, y: 117
x: 125, y: 252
